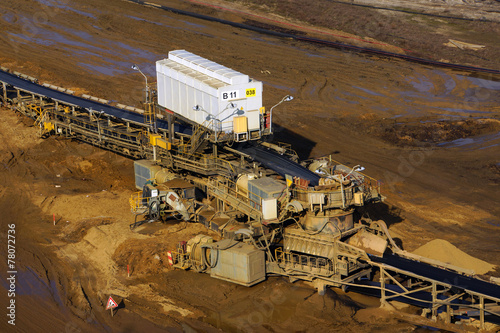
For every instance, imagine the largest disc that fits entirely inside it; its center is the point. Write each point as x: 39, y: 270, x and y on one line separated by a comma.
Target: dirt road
x: 431, y: 135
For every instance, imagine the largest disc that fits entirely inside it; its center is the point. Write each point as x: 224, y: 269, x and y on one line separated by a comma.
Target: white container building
x: 210, y: 94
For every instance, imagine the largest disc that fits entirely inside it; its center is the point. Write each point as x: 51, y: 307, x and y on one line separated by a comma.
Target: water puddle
x: 28, y: 283
x: 9, y: 17
x: 59, y: 5
x: 106, y: 70
x: 368, y: 91
x: 464, y: 111
x: 312, y: 55
x: 202, y: 26
x: 138, y: 53
x: 449, y: 82
x: 440, y: 86
x: 475, y: 143
x: 26, y: 40
x: 47, y: 37
x: 422, y: 84
x: 495, y: 223
x: 78, y: 33
x: 82, y: 45
x: 484, y: 83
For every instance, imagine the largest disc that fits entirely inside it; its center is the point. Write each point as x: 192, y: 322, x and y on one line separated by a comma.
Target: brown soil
x: 364, y: 110
x: 410, y: 33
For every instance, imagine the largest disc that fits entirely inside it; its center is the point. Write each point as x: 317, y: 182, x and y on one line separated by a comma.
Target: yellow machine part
x: 163, y: 144
x: 153, y: 138
x: 157, y: 140
x: 48, y: 126
x: 240, y: 124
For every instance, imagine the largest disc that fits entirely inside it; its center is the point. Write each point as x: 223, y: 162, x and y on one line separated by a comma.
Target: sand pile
x: 444, y: 251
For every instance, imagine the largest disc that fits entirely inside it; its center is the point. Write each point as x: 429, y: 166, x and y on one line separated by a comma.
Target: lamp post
x: 136, y: 68
x: 356, y: 168
x: 287, y: 98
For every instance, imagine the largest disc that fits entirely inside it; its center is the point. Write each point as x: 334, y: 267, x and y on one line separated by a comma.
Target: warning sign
x: 111, y: 303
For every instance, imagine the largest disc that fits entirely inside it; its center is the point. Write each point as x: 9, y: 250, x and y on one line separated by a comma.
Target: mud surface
x: 430, y: 135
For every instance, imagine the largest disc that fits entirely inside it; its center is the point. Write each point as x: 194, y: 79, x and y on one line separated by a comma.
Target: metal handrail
x: 136, y: 201
x: 233, y: 192
x: 107, y: 129
x: 201, y: 156
x: 299, y: 261
x: 371, y: 180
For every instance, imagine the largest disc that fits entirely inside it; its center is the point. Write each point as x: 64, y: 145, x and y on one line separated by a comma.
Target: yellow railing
x: 138, y: 204
x: 149, y: 113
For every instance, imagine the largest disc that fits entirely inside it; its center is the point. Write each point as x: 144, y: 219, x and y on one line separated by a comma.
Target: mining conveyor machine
x: 203, y: 154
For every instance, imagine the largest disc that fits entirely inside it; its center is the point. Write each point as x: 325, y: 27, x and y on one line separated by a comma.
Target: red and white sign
x: 170, y: 261
x: 111, y: 303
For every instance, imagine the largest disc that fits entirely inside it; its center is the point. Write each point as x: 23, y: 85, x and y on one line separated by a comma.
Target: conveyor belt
x: 441, y: 275
x: 74, y: 100
x: 280, y: 164
x: 269, y: 159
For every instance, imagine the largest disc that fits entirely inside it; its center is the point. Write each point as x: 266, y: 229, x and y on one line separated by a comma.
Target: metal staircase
x: 226, y: 195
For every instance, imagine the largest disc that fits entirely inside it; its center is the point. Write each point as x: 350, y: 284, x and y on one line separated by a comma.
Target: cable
x: 317, y: 231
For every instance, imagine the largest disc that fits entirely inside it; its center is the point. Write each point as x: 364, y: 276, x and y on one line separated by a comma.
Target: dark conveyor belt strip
x: 73, y: 100
x: 280, y: 164
x: 441, y: 275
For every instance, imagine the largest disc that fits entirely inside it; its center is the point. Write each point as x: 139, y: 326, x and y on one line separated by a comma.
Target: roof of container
x: 189, y: 72
x: 267, y: 184
x: 208, y: 67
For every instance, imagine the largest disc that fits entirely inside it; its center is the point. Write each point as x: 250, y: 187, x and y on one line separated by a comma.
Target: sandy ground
x: 430, y: 135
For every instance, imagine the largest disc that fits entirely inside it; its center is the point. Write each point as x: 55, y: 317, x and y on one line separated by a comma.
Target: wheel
x: 154, y: 211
